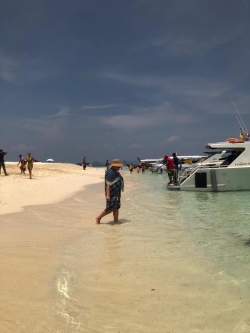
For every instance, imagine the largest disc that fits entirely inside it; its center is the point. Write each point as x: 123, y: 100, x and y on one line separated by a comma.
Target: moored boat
x: 220, y: 176
x: 147, y: 163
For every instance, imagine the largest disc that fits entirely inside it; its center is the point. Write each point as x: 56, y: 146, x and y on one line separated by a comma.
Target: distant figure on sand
x: 2, y: 164
x: 131, y: 167
x: 138, y: 169
x: 84, y: 163
x: 143, y: 169
x: 107, y: 164
x: 30, y: 160
x: 114, y: 185
x: 22, y: 163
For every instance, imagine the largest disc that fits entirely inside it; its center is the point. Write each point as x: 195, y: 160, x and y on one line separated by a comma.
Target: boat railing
x: 186, y: 173
x: 189, y: 171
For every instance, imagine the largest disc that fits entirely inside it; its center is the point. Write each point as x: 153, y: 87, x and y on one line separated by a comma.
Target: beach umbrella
x: 49, y: 160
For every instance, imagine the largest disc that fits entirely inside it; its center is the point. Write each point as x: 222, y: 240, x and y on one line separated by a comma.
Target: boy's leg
x: 104, y: 213
x: 116, y: 215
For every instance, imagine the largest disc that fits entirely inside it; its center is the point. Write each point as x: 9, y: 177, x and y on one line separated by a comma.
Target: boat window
x: 226, y: 154
x: 211, y: 154
x: 227, y: 157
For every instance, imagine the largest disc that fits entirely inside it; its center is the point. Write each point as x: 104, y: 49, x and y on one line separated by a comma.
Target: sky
x: 121, y: 79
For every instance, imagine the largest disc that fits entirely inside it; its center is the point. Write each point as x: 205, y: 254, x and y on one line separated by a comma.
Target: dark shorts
x: 113, y: 203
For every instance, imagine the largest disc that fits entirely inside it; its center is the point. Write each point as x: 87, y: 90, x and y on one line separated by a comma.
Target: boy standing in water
x: 114, y: 185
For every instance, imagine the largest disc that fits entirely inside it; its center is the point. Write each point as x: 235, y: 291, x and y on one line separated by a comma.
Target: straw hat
x: 116, y: 163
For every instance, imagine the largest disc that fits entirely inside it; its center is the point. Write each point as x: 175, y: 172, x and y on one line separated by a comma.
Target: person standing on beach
x: 114, y: 185
x: 107, y: 164
x: 30, y: 160
x: 84, y: 163
x: 22, y: 163
x: 2, y: 164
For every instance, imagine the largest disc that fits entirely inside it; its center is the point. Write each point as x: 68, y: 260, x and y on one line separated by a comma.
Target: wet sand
x: 62, y: 273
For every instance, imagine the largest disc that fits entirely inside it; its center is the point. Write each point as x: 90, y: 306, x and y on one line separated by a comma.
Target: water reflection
x: 205, y: 196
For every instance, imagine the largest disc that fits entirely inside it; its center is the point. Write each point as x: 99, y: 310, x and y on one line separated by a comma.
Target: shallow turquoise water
x: 218, y: 223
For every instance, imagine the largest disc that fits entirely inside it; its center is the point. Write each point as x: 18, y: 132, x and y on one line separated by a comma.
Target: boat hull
x: 216, y: 180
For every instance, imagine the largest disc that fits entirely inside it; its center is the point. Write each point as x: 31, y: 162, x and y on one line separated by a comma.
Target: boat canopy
x: 227, y: 145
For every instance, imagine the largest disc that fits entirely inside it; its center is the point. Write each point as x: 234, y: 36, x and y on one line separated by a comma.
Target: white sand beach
x: 62, y: 273
x: 51, y: 183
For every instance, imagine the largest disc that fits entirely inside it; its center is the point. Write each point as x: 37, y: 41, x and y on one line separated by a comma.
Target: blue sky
x: 119, y: 79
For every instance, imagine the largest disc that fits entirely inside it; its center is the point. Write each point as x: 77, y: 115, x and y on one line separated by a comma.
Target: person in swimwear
x: 22, y: 163
x: 30, y: 160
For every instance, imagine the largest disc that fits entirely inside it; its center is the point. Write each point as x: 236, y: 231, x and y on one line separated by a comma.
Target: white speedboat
x: 214, y: 174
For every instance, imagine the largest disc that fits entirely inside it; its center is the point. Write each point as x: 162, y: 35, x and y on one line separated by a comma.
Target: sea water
x: 177, y: 262
x: 217, y: 223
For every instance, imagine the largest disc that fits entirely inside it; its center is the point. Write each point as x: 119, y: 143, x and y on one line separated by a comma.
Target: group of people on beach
x: 28, y: 161
x: 23, y: 162
x: 114, y: 183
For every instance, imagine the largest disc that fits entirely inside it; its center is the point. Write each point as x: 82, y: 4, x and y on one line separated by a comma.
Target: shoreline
x: 82, y: 277
x: 42, y: 255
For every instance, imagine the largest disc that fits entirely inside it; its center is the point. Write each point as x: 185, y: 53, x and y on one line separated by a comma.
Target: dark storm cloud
x: 121, y: 78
